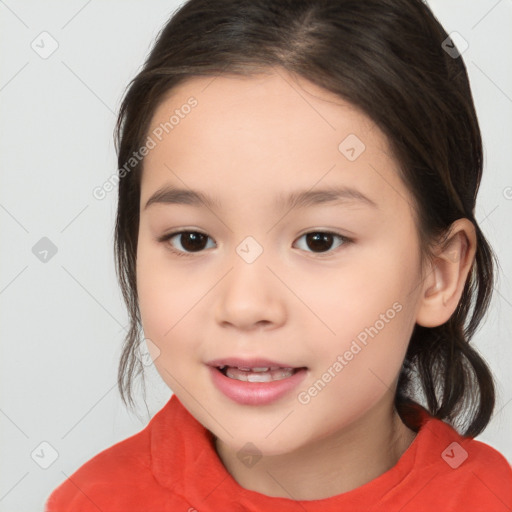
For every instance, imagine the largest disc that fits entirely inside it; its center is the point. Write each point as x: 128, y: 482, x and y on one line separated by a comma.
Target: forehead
x: 268, y: 130
x: 286, y: 105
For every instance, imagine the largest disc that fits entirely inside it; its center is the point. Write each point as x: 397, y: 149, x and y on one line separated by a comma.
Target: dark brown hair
x: 386, y: 57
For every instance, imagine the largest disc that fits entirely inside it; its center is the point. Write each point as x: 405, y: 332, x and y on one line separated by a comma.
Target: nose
x: 250, y: 297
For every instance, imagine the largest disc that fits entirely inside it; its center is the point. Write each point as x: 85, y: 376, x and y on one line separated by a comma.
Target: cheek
x: 355, y: 296
x: 357, y: 368
x: 166, y: 296
x: 368, y: 315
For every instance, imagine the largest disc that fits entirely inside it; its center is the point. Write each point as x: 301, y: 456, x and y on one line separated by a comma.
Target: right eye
x: 190, y: 241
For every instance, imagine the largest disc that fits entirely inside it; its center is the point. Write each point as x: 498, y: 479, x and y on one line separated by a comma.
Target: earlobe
x: 446, y: 278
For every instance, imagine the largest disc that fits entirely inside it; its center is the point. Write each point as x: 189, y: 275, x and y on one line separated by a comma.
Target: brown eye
x: 322, y: 241
x: 190, y: 241
x: 319, y: 242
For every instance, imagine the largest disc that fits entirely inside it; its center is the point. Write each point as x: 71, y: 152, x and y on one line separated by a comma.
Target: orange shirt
x: 171, y: 465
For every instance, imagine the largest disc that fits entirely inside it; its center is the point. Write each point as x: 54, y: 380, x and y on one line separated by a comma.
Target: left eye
x: 193, y: 241
x: 319, y: 240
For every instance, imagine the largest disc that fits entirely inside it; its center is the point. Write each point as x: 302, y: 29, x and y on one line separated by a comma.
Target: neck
x: 329, y: 466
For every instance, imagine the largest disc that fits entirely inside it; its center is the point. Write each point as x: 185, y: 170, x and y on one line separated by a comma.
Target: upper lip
x: 239, y: 362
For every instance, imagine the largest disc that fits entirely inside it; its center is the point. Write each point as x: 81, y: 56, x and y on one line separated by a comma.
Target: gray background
x: 62, y: 320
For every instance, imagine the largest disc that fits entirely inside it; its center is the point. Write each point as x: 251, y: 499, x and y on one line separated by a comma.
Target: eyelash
x: 165, y: 238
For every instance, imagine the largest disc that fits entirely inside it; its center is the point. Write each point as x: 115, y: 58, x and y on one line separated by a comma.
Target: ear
x: 445, y: 280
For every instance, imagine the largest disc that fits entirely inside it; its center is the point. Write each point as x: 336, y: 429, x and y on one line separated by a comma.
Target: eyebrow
x: 298, y: 199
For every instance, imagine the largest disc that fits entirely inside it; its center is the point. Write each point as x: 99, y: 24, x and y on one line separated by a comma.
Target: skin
x: 248, y: 141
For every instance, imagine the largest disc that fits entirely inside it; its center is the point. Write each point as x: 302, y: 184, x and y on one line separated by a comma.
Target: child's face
x: 256, y: 287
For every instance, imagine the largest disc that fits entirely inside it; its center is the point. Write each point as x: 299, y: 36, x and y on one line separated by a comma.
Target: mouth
x: 257, y: 374
x: 255, y: 381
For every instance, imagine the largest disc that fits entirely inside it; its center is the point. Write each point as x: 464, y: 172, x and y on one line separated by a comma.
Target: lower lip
x: 255, y: 393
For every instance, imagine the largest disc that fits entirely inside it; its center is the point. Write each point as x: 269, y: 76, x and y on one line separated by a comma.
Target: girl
x: 305, y: 376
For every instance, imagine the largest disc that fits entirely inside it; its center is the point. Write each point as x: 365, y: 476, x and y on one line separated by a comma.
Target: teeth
x: 247, y: 369
x: 260, y: 377
x: 259, y: 374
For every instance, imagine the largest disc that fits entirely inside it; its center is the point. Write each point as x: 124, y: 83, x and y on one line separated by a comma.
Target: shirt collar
x: 184, y: 460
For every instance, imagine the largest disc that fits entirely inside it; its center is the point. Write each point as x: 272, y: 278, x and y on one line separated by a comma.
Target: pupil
x: 196, y: 240
x: 317, y: 241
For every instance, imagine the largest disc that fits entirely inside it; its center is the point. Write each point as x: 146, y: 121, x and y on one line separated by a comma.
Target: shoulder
x: 458, y: 450
x: 114, y: 467
x: 484, y: 466
x: 120, y: 473
x: 452, y: 470
x: 465, y: 470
